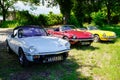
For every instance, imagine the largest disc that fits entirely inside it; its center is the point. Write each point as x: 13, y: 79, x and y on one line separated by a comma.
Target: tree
x: 91, y: 6
x: 78, y: 11
x: 4, y: 6
x: 65, y: 8
x: 111, y: 6
x: 83, y: 8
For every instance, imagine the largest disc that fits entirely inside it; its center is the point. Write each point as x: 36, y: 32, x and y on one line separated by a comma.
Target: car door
x: 13, y: 41
x: 58, y: 33
x: 17, y: 41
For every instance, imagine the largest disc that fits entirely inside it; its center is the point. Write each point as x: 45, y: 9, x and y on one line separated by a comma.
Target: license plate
x: 85, y: 43
x: 52, y: 59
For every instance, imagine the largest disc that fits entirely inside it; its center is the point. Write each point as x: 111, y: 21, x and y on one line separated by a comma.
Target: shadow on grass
x: 10, y: 69
x: 108, y: 42
x: 79, y: 47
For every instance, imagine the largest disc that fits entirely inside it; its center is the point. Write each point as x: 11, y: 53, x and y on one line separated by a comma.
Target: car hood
x: 109, y: 33
x: 80, y: 34
x: 45, y: 43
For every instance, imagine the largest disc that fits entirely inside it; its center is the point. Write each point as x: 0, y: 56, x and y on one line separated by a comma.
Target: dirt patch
x: 4, y: 33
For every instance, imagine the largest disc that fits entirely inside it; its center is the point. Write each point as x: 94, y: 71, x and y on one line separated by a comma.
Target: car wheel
x: 66, y: 38
x: 65, y: 56
x: 96, y: 38
x: 22, y: 59
x: 9, y: 49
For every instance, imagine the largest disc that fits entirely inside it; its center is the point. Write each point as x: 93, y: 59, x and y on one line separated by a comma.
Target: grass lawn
x: 100, y: 61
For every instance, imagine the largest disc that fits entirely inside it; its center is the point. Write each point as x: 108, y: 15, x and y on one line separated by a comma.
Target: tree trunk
x: 4, y: 14
x: 108, y: 13
x: 66, y: 17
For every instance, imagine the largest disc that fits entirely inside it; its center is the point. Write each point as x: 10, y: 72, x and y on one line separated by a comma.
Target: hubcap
x: 96, y: 39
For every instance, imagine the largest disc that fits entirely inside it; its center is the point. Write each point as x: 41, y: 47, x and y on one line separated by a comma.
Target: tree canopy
x: 84, y: 10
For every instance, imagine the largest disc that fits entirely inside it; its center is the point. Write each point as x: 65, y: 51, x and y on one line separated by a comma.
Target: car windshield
x: 33, y: 31
x: 64, y: 28
x: 82, y: 28
x: 92, y: 28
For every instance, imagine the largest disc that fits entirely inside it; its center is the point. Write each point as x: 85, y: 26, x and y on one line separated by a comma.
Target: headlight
x: 32, y: 49
x: 74, y: 37
x: 104, y: 35
x: 67, y: 45
x: 92, y: 35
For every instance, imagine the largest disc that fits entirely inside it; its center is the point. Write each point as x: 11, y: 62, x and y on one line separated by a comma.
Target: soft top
x: 27, y: 26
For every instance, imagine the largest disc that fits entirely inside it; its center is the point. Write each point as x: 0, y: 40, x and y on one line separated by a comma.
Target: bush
x: 115, y: 19
x: 54, y: 19
x: 98, y: 18
x: 73, y: 20
x: 24, y: 18
x: 42, y: 19
x: 9, y: 24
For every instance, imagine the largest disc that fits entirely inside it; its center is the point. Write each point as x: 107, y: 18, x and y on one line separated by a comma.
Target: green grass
x: 100, y: 61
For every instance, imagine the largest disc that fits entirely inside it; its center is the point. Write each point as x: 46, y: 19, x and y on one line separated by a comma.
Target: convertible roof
x: 27, y: 26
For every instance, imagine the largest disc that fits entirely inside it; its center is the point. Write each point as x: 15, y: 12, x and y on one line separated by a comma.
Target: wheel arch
x: 96, y: 34
x: 19, y: 49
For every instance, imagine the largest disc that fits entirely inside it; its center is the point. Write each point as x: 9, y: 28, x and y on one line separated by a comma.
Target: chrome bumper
x: 81, y: 40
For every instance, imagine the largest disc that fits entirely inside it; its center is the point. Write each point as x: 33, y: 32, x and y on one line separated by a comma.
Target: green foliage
x: 54, y: 19
x: 98, y: 18
x: 5, y: 5
x: 42, y: 19
x: 10, y: 24
x: 78, y: 11
x: 73, y: 20
x: 115, y: 19
x: 24, y: 18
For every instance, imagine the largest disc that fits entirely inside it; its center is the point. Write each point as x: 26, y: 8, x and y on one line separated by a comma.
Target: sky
x: 39, y: 9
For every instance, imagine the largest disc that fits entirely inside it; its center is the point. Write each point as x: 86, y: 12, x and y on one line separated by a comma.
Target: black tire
x: 9, y: 50
x: 96, y: 38
x: 22, y: 59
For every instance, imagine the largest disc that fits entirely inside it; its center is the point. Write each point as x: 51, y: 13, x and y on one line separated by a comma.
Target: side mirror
x: 12, y: 36
x: 48, y: 34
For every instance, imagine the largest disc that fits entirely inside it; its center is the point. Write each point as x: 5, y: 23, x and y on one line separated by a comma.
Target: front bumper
x: 109, y: 38
x: 51, y: 58
x: 82, y: 40
x: 48, y: 57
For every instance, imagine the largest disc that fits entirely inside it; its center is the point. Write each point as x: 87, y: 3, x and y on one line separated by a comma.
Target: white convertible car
x: 32, y: 44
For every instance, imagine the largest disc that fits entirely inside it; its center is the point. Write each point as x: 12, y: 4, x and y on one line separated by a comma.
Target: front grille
x: 51, y: 58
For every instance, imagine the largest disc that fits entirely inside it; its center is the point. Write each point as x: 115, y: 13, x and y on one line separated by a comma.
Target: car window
x: 57, y: 29
x: 92, y: 28
x: 64, y: 28
x: 29, y: 32
x: 68, y: 27
x: 82, y: 28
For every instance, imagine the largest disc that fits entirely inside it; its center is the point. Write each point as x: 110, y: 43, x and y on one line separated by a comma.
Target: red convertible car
x: 69, y: 33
